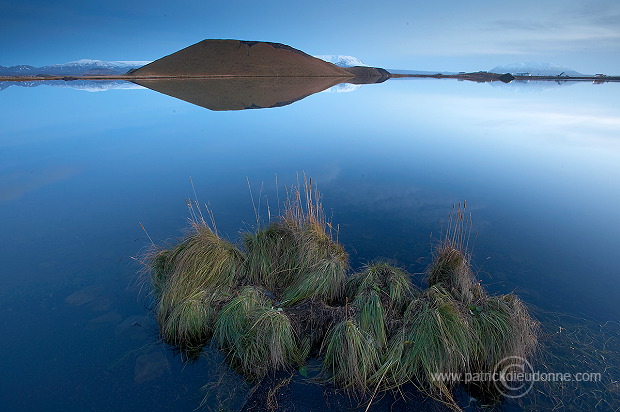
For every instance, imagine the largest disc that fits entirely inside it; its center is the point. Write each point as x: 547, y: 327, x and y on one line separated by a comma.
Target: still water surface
x: 538, y: 166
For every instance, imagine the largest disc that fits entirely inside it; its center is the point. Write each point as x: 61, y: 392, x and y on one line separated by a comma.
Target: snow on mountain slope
x: 342, y: 61
x: 21, y: 70
x: 535, y: 69
x: 100, y: 63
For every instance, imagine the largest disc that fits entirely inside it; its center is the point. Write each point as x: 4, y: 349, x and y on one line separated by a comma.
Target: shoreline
x: 480, y: 77
x: 483, y: 77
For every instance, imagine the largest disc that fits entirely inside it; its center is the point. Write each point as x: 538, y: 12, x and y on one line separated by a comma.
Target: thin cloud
x: 592, y: 26
x: 14, y: 185
x: 518, y: 25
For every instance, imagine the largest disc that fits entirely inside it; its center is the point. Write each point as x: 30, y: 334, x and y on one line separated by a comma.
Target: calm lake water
x: 537, y: 164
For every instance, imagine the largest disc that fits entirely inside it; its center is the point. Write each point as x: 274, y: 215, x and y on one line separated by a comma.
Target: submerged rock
x: 150, y: 366
x: 107, y: 319
x: 134, y: 327
x: 83, y: 296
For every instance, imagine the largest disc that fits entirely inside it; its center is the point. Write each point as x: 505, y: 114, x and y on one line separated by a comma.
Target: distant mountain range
x: 536, y: 69
x: 84, y: 67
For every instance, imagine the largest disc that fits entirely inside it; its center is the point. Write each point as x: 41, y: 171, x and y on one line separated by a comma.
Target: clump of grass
x: 190, y: 322
x: 451, y: 266
x: 393, y: 285
x: 371, y: 316
x: 502, y: 328
x: 351, y: 356
x: 435, y: 338
x: 268, y: 308
x: 256, y: 336
x: 400, y: 289
x: 274, y: 331
x: 451, y: 270
x: 273, y: 255
x: 190, y: 281
x: 298, y: 262
x: 205, y: 260
x: 296, y: 256
x: 493, y: 331
x: 201, y: 261
x: 234, y: 321
x: 322, y: 280
x: 324, y: 261
x: 525, y: 329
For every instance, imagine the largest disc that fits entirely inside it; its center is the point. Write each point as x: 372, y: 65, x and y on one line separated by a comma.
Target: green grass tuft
x: 323, y: 279
x: 256, y: 336
x: 391, y: 283
x: 400, y: 289
x: 235, y: 318
x: 190, y: 281
x: 205, y: 260
x: 371, y: 316
x: 435, y: 338
x: 295, y: 257
x: 273, y: 256
x: 190, y: 323
x: 351, y: 356
x: 502, y: 328
x: 451, y: 270
x: 273, y: 330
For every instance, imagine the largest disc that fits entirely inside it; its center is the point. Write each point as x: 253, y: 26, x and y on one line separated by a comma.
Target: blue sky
x: 410, y: 34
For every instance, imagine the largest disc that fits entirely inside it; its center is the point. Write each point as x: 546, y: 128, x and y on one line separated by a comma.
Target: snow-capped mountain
x: 535, y: 69
x: 76, y: 68
x: 20, y: 70
x: 342, y: 61
x: 88, y: 64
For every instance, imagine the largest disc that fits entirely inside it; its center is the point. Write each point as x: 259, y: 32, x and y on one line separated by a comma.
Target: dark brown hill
x: 239, y: 58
